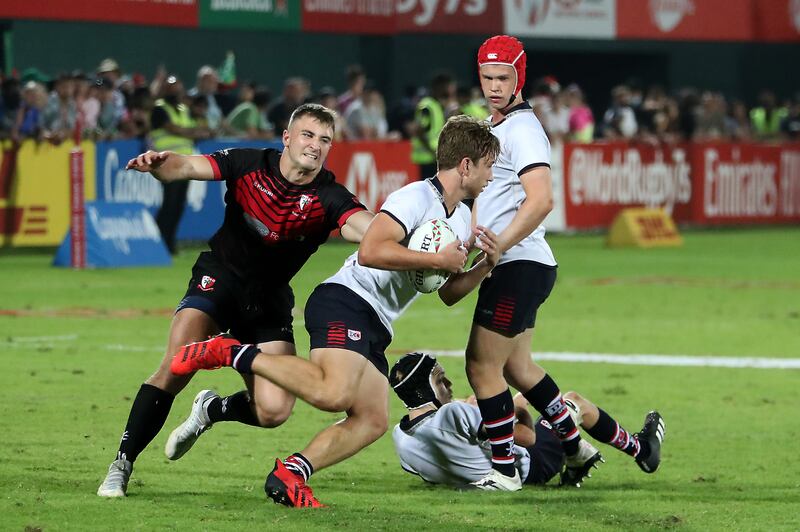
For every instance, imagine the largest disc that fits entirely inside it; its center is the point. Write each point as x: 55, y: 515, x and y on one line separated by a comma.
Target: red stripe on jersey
x: 214, y: 167
x: 343, y: 218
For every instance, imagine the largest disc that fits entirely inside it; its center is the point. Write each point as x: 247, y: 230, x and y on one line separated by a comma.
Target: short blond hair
x: 464, y: 136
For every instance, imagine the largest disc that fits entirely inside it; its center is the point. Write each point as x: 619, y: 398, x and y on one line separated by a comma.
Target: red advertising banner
x: 349, y: 16
x: 745, y: 183
x: 388, y: 17
x: 373, y: 170
x: 149, y: 12
x: 777, y: 20
x: 450, y: 16
x: 602, y: 179
x: 699, y: 20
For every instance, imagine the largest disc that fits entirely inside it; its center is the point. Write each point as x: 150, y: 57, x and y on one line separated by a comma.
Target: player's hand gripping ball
x: 430, y: 237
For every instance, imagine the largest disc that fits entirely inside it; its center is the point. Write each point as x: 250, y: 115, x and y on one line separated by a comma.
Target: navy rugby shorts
x: 337, y: 317
x: 509, y: 299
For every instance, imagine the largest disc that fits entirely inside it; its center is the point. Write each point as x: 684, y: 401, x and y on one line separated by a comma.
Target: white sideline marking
x: 656, y: 360
x: 41, y: 339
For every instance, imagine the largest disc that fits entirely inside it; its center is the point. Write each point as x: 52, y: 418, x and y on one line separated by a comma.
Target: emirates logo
x: 535, y: 11
x: 667, y: 14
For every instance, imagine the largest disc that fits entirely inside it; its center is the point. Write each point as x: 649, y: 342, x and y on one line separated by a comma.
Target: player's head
x: 501, y: 66
x: 308, y: 137
x: 469, y: 146
x: 419, y: 380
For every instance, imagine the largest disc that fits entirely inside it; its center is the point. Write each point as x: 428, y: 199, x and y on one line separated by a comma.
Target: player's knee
x: 331, y: 400
x: 273, y: 416
x: 377, y: 425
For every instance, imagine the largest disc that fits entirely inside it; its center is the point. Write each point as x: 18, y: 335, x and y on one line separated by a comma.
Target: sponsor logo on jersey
x: 207, y: 283
x: 354, y: 335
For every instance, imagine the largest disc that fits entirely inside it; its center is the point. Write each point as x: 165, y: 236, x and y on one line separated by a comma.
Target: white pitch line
x: 656, y: 360
x: 41, y: 339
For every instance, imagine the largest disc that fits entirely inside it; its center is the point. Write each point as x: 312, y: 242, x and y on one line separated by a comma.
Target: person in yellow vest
x: 173, y: 130
x: 469, y: 105
x: 429, y: 119
x: 766, y: 119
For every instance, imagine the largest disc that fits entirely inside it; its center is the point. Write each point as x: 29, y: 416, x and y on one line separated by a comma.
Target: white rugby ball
x: 430, y: 237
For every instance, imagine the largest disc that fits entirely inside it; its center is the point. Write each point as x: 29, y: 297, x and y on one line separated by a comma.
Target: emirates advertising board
x: 746, y: 183
x: 699, y: 20
x: 581, y: 19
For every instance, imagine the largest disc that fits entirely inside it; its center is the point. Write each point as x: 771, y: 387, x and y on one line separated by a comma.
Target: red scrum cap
x: 504, y: 50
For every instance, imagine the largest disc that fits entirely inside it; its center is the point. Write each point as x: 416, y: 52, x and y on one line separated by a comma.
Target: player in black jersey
x: 280, y: 206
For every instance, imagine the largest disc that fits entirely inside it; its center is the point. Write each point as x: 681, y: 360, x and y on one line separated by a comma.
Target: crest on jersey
x: 354, y: 335
x: 305, y: 201
x: 206, y: 283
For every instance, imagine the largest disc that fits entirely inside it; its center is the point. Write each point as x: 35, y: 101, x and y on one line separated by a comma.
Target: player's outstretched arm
x: 169, y: 166
x: 381, y: 249
x: 462, y: 283
x: 356, y: 225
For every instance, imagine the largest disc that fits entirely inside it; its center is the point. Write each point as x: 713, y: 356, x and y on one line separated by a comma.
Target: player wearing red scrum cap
x: 514, y: 206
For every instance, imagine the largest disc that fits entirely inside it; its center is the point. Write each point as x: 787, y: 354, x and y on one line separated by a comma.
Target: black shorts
x: 509, y: 299
x: 547, y: 454
x: 252, y: 314
x: 337, y: 317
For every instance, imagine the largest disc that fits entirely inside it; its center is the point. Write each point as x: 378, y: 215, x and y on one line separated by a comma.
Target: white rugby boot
x: 183, y: 437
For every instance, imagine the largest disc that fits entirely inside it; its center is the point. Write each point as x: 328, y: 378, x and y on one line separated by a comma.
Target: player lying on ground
x: 444, y: 441
x: 280, y: 207
x: 349, y: 316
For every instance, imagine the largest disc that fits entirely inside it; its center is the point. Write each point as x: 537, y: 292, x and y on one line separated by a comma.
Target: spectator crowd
x: 110, y: 104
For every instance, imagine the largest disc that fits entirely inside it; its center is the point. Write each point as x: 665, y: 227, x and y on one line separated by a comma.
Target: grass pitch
x: 76, y: 345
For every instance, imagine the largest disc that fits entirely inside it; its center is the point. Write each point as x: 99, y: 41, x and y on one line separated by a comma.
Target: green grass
x: 729, y: 460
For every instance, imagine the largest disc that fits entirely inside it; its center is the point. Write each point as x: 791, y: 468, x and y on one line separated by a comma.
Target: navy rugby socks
x: 546, y: 398
x: 607, y: 430
x: 498, y: 419
x: 299, y: 465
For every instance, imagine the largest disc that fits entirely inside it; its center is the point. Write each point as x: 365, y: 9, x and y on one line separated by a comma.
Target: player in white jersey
x: 514, y: 206
x: 444, y: 441
x: 349, y: 316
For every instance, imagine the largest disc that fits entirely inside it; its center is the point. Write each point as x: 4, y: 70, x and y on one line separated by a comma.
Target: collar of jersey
x: 406, y: 425
x: 437, y: 185
x: 520, y: 108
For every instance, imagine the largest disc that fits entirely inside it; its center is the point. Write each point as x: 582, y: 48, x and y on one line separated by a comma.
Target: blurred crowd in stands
x: 111, y: 104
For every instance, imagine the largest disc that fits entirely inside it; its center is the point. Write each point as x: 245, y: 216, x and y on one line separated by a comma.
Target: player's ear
x: 464, y: 166
x: 285, y: 138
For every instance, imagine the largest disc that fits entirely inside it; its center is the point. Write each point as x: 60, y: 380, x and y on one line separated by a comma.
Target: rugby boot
x: 653, y: 433
x: 579, y: 465
x: 213, y: 353
x: 183, y: 437
x: 496, y: 481
x: 284, y: 487
x: 116, y: 481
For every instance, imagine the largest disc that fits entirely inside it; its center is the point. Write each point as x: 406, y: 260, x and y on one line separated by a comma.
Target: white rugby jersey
x: 391, y: 292
x: 443, y: 446
x: 523, y: 145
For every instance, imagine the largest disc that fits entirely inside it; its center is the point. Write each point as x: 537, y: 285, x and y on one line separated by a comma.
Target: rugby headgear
x: 411, y: 377
x: 504, y: 50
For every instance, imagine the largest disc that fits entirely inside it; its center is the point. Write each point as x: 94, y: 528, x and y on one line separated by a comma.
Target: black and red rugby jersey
x: 272, y: 226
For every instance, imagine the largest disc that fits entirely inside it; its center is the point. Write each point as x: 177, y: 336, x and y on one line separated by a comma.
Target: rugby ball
x: 430, y: 237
